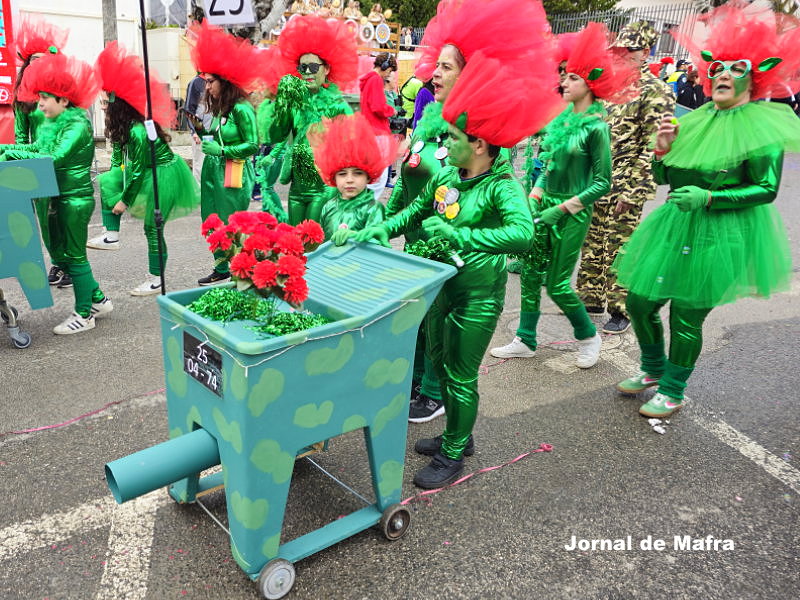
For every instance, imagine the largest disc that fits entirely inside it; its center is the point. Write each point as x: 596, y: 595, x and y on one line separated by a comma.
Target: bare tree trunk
x: 110, y: 21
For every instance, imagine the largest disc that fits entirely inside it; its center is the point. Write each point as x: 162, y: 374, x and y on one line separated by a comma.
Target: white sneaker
x: 589, y: 351
x: 148, y: 288
x: 102, y: 308
x: 101, y: 242
x: 74, y: 324
x: 516, y: 349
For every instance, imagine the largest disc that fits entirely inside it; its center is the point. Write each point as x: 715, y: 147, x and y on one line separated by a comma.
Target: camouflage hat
x: 636, y: 35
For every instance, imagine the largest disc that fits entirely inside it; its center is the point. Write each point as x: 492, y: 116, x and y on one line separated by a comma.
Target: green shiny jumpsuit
x: 355, y: 214
x: 236, y: 133
x: 493, y: 219
x: 26, y: 126
x: 69, y: 141
x: 580, y: 168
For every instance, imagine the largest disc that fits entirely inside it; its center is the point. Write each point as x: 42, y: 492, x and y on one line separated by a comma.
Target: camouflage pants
x: 597, y: 285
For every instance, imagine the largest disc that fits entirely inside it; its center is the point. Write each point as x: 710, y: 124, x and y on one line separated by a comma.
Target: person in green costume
x: 231, y: 67
x: 65, y: 87
x: 576, y: 151
x: 718, y: 237
x: 128, y: 185
x: 480, y: 209
x: 324, y: 55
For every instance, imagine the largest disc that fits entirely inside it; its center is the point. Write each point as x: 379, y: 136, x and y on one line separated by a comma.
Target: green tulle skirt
x: 706, y: 258
x: 178, y: 192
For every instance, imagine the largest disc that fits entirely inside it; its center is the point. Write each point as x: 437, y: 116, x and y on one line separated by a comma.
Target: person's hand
x: 373, y: 233
x: 623, y: 207
x: 119, y: 208
x: 666, y: 134
x: 536, y: 194
x: 689, y: 197
x: 340, y: 237
x: 436, y: 227
x: 211, y: 148
x: 196, y: 138
x: 551, y: 216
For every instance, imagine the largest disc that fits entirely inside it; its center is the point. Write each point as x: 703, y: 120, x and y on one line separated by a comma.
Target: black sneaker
x: 430, y: 446
x: 66, y: 281
x: 214, y: 278
x: 618, y: 323
x: 595, y: 310
x: 55, y: 275
x: 440, y: 472
x: 425, y: 409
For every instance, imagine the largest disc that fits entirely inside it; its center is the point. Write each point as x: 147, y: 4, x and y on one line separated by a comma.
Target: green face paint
x: 458, y: 147
x: 741, y: 85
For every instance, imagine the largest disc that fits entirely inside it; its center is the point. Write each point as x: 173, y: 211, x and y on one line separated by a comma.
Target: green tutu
x: 706, y: 258
x: 111, y: 185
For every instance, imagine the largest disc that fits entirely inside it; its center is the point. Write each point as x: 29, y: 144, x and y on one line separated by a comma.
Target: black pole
x: 151, y: 136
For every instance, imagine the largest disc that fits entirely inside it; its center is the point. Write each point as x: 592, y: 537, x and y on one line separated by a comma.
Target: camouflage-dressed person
x: 633, y: 126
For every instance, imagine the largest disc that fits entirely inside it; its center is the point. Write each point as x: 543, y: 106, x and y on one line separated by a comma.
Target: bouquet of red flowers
x: 265, y: 256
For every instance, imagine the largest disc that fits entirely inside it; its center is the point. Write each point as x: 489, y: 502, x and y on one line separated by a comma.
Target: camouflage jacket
x: 633, y: 126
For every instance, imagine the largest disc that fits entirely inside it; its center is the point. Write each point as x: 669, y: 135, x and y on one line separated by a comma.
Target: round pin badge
x: 418, y: 146
x: 440, y: 153
x: 452, y: 210
x: 414, y: 161
x: 451, y: 197
x: 441, y: 193
x: 441, y: 207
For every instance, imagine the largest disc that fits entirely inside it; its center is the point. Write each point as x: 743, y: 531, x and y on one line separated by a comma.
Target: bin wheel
x: 14, y: 311
x: 21, y: 340
x: 395, y: 522
x: 276, y: 579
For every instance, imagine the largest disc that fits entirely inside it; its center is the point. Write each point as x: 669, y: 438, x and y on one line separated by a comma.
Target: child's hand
x: 119, y: 208
x: 551, y: 216
x: 373, y: 233
x: 211, y: 148
x: 435, y: 227
x: 340, y: 237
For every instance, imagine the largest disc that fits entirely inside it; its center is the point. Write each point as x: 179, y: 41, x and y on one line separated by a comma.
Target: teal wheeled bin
x: 253, y: 404
x: 20, y: 248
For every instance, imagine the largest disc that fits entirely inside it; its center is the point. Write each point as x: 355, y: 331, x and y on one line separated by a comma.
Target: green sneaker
x: 638, y: 383
x: 660, y: 406
x: 515, y: 267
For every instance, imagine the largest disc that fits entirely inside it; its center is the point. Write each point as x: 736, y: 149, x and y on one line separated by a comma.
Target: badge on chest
x: 445, y: 201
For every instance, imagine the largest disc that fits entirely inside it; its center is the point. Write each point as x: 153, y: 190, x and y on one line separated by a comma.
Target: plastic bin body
x: 280, y: 395
x: 20, y: 247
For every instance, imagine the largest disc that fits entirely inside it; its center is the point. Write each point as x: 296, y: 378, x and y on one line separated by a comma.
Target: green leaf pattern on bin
x: 230, y: 432
x: 193, y: 418
x: 409, y: 316
x: 311, y: 415
x: 250, y: 513
x: 268, y: 457
x: 353, y: 422
x: 384, y: 371
x: 365, y: 294
x: 266, y: 391
x: 21, y: 229
x: 391, y: 476
x: 18, y: 179
x: 403, y: 275
x: 271, y: 545
x: 388, y: 413
x: 341, y: 271
x: 238, y: 382
x: 176, y: 378
x: 330, y: 360
x: 32, y: 275
x: 175, y: 432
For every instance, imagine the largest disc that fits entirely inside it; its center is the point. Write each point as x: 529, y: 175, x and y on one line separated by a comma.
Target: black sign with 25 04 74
x: 203, y: 363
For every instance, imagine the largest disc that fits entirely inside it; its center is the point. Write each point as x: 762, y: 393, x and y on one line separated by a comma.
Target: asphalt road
x: 726, y: 466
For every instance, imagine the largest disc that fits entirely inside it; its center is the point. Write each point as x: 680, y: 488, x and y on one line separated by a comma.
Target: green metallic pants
x: 111, y: 223
x: 564, y: 242
x: 42, y: 206
x: 686, y: 341
x: 424, y: 373
x: 305, y: 202
x: 216, y: 198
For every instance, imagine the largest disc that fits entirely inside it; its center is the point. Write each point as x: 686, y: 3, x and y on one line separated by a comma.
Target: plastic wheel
x: 5, y: 316
x: 276, y: 579
x: 22, y: 340
x: 395, y: 522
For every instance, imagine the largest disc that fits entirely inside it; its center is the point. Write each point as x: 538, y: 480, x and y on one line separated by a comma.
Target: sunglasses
x: 312, y: 68
x: 737, y: 68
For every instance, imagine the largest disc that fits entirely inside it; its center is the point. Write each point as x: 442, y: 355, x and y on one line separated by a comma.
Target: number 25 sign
x: 229, y: 12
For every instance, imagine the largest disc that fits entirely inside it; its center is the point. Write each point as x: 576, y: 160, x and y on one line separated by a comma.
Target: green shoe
x: 514, y: 267
x: 660, y: 406
x: 638, y: 383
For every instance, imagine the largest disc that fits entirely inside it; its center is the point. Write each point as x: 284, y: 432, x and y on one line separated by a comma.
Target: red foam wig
x: 122, y: 74
x: 272, y: 66
x: 736, y: 31
x: 330, y: 39
x: 349, y: 141
x: 608, y: 75
x: 231, y: 58
x: 60, y: 76
x: 499, y: 118
x: 35, y: 35
x: 513, y: 31
x: 565, y: 42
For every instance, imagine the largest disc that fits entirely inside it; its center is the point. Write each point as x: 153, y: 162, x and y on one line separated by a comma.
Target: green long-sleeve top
x: 69, y: 141
x: 26, y: 125
x: 135, y: 156
x: 582, y: 165
x: 357, y: 213
x: 236, y: 131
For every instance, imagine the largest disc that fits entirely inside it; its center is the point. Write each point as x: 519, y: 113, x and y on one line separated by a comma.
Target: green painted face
x: 458, y: 146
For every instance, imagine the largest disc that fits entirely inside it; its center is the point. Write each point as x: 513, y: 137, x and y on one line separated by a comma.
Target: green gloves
x: 436, y: 227
x: 373, y: 233
x: 211, y: 148
x: 689, y: 197
x: 551, y: 216
x: 340, y: 236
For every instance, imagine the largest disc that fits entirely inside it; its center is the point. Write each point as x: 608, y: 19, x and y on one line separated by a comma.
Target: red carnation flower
x: 242, y: 265
x: 258, y: 241
x: 310, y: 232
x: 284, y: 228
x: 244, y: 220
x: 211, y: 223
x: 289, y: 243
x: 219, y: 240
x: 264, y: 274
x: 295, y: 290
x: 267, y: 219
x: 293, y: 266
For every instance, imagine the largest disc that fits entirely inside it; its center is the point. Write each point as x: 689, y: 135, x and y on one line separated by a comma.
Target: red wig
x: 331, y: 40
x: 60, y: 76
x: 513, y: 31
x: 608, y: 75
x: 737, y: 31
x: 349, y: 141
x: 122, y: 74
x: 500, y: 119
x: 35, y: 35
x: 565, y: 42
x: 218, y: 53
x: 272, y: 66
